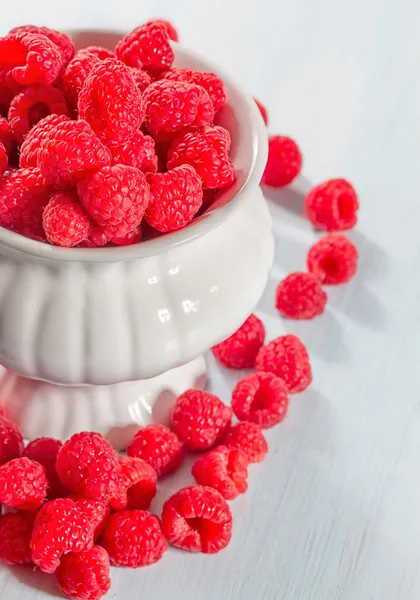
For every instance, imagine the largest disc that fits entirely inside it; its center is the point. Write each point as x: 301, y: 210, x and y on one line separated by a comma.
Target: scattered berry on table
x: 58, y: 38
x: 159, y: 447
x: 148, y: 47
x: 263, y: 110
x: 333, y: 259
x: 84, y: 575
x: 284, y: 161
x: 170, y: 29
x: 224, y: 469
x: 300, y: 296
x: 75, y: 75
x: 137, y: 484
x: 332, y: 205
x: 11, y: 441
x: 96, y: 512
x: 249, y: 438
x: 209, y: 81
x: 15, y: 536
x: 240, y: 349
x: 23, y: 484
x: 139, y: 152
x: 44, y: 450
x: 33, y: 141
x: 65, y: 221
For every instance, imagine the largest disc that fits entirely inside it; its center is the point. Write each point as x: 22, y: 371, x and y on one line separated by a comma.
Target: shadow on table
x: 35, y: 578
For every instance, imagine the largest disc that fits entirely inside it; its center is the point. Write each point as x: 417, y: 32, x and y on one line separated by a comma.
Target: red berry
x: 75, y: 74
x: 96, y: 512
x: 58, y: 38
x: 84, y: 575
x: 65, y: 221
x: 142, y: 78
x: 300, y: 296
x: 59, y: 527
x: 44, y: 450
x: 88, y: 465
x: 209, y: 81
x: 224, y: 469
x: 6, y: 136
x: 35, y: 138
x: 116, y: 197
x: 169, y: 28
x: 133, y: 538
x: 207, y: 150
x: 4, y: 159
x: 197, y: 519
x: 249, y: 438
x: 133, y: 237
x: 11, y: 441
x: 262, y: 110
x: 139, y: 152
x: 159, y: 447
x: 101, y: 53
x: 15, y: 537
x: 284, y: 161
x: 23, y: 484
x: 147, y: 46
x: 260, y: 398
x: 332, y: 205
x: 137, y: 487
x: 287, y: 358
x: 333, y: 259
x: 199, y: 419
x: 240, y: 349
x: 97, y: 238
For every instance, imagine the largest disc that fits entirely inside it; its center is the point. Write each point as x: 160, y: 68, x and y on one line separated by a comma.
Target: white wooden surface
x: 333, y: 513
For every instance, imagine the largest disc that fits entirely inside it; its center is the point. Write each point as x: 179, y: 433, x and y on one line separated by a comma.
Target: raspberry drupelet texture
x: 35, y: 138
x: 4, y: 159
x: 23, y: 484
x: 33, y: 104
x: 58, y: 38
x: 15, y: 537
x: 84, y: 575
x: 65, y: 221
x: 249, y: 438
x: 75, y: 74
x: 332, y: 205
x: 300, y: 296
x: 111, y: 102
x: 96, y: 512
x: 133, y: 237
x: 137, y: 487
x: 148, y: 47
x: 199, y: 419
x: 142, y: 78
x: 333, y: 259
x: 11, y: 441
x: 88, y: 465
x: 101, y: 53
x: 44, y: 450
x: 6, y: 136
x: 139, y: 152
x: 169, y: 28
x: 209, y: 81
x: 260, y: 398
x: 263, y: 110
x: 284, y: 161
x: 287, y: 358
x: 133, y: 538
x: 60, y: 526
x: 197, y: 519
x: 116, y: 197
x: 224, y: 469
x: 207, y: 150
x: 159, y: 447
x: 176, y: 197
x: 240, y: 349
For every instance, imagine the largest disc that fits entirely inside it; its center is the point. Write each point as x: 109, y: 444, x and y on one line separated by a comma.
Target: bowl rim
x: 197, y: 228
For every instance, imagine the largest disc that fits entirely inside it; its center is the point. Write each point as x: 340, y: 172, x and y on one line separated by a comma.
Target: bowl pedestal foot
x: 47, y: 409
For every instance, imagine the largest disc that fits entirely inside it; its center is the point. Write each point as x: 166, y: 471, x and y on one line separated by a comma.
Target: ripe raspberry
x: 147, y: 46
x: 6, y: 136
x: 333, y: 259
x: 240, y: 349
x: 75, y: 74
x: 58, y: 38
x: 96, y: 512
x: 260, y: 398
x: 15, y: 537
x: 173, y: 105
x: 11, y: 441
x: 65, y: 221
x: 159, y: 447
x: 23, y: 484
x: 133, y: 538
x: 141, y: 78
x: 300, y: 296
x: 69, y: 152
x: 332, y: 205
x: 88, y: 465
x: 8, y: 90
x: 133, y: 237
x: 287, y: 358
x: 139, y: 152
x: 4, y: 159
x: 84, y: 575
x: 199, y: 419
x: 96, y: 238
x: 110, y: 102
x: 30, y: 58
x: 197, y: 519
x: 60, y: 526
x: 284, y: 161
x: 262, y: 110
x: 249, y: 438
x: 138, y: 482
x: 116, y: 197
x: 207, y: 150
x: 209, y: 81
x: 35, y: 138
x: 44, y: 450
x: 169, y: 28
x: 224, y: 469
x: 101, y: 53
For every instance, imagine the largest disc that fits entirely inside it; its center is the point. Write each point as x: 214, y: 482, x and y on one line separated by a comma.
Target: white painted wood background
x: 333, y: 513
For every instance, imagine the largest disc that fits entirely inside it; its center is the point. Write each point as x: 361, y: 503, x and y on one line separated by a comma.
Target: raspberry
x: 133, y: 237
x: 207, y: 150
x: 224, y: 469
x: 173, y: 105
x: 44, y: 450
x: 84, y: 575
x: 176, y: 196
x: 88, y: 465
x: 287, y: 358
x: 169, y: 28
x: 23, y: 484
x: 33, y: 104
x: 69, y: 152
x: 209, y: 81
x: 197, y: 519
x: 6, y: 136
x: 333, y: 259
x: 101, y: 53
x: 4, y: 159
x: 110, y: 102
x: 59, y: 527
x: 33, y: 141
x: 96, y: 238
x: 249, y: 438
x: 147, y: 46
x: 332, y: 205
x: 199, y: 419
x: 133, y: 538
x: 138, y: 151
x: 284, y: 161
x: 240, y: 349
x: 11, y: 441
x: 262, y: 110
x: 142, y: 78
x: 159, y: 447
x: 260, y: 398
x: 96, y: 512
x: 30, y: 58
x: 58, y: 38
x: 75, y: 74
x: 8, y: 90
x: 300, y: 296
x: 137, y: 484
x: 65, y: 221
x: 116, y: 197
x: 15, y: 537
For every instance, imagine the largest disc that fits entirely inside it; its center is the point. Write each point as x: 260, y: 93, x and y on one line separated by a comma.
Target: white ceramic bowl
x: 98, y: 318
